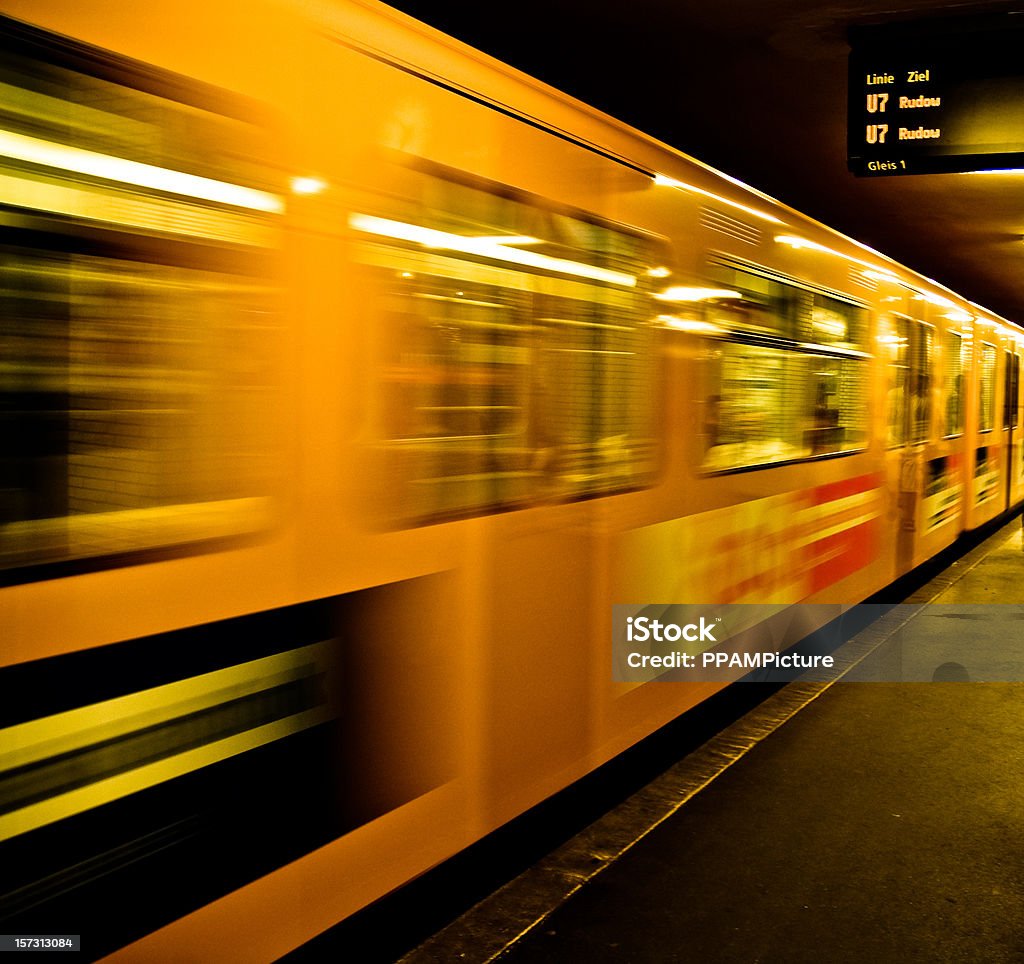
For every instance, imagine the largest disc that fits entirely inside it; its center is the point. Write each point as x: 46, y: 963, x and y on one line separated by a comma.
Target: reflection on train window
x: 137, y: 328
x: 987, y: 389
x: 518, y: 356
x: 758, y: 301
x: 953, y: 383
x: 836, y: 323
x: 774, y: 399
x: 70, y: 103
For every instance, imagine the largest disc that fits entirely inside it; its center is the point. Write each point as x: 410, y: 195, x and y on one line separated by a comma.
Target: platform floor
x: 838, y: 822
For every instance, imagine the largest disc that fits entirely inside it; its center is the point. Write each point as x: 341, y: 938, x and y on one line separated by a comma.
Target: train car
x: 348, y: 378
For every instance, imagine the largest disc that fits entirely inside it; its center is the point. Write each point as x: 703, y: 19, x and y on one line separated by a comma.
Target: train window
x: 771, y: 399
x: 763, y: 304
x: 921, y: 336
x: 767, y: 405
x: 836, y: 397
x: 953, y: 387
x: 1015, y: 393
x: 766, y: 303
x: 836, y: 323
x: 987, y: 389
x: 137, y: 324
x: 897, y: 343
x: 752, y: 405
x: 1012, y: 376
x: 518, y: 355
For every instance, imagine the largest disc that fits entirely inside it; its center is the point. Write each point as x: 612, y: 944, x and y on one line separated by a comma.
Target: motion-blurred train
x: 347, y: 379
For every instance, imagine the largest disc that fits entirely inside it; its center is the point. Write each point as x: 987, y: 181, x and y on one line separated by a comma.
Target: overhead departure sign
x: 936, y: 98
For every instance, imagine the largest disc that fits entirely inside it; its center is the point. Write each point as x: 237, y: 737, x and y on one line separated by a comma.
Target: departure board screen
x: 937, y: 97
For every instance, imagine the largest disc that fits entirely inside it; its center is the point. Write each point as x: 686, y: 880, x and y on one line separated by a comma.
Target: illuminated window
x: 771, y: 399
x: 908, y: 405
x: 836, y: 323
x: 518, y: 358
x: 1015, y: 393
x: 137, y: 330
x: 768, y: 306
x: 919, y: 389
x: 1010, y: 387
x: 987, y: 389
x: 775, y: 305
x: 895, y: 343
x: 953, y: 383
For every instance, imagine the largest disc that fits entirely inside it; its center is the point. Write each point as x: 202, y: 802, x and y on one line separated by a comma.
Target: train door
x: 1017, y: 466
x: 909, y: 425
x: 893, y: 349
x: 983, y: 492
x: 942, y: 486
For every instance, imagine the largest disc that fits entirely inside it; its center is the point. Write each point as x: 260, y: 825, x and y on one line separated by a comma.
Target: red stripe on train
x: 840, y: 490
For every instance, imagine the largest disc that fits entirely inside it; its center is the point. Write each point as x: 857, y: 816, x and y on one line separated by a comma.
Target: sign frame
x: 936, y: 97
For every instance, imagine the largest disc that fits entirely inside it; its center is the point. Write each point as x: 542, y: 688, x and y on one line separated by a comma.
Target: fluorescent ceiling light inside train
x: 680, y: 293
x: 484, y: 247
x: 662, y: 181
x: 308, y: 185
x: 695, y: 325
x: 32, y: 150
x: 508, y: 239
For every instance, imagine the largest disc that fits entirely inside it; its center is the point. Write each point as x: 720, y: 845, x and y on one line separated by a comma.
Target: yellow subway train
x: 347, y: 379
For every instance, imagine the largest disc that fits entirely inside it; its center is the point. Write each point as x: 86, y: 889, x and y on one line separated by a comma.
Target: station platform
x: 838, y: 821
